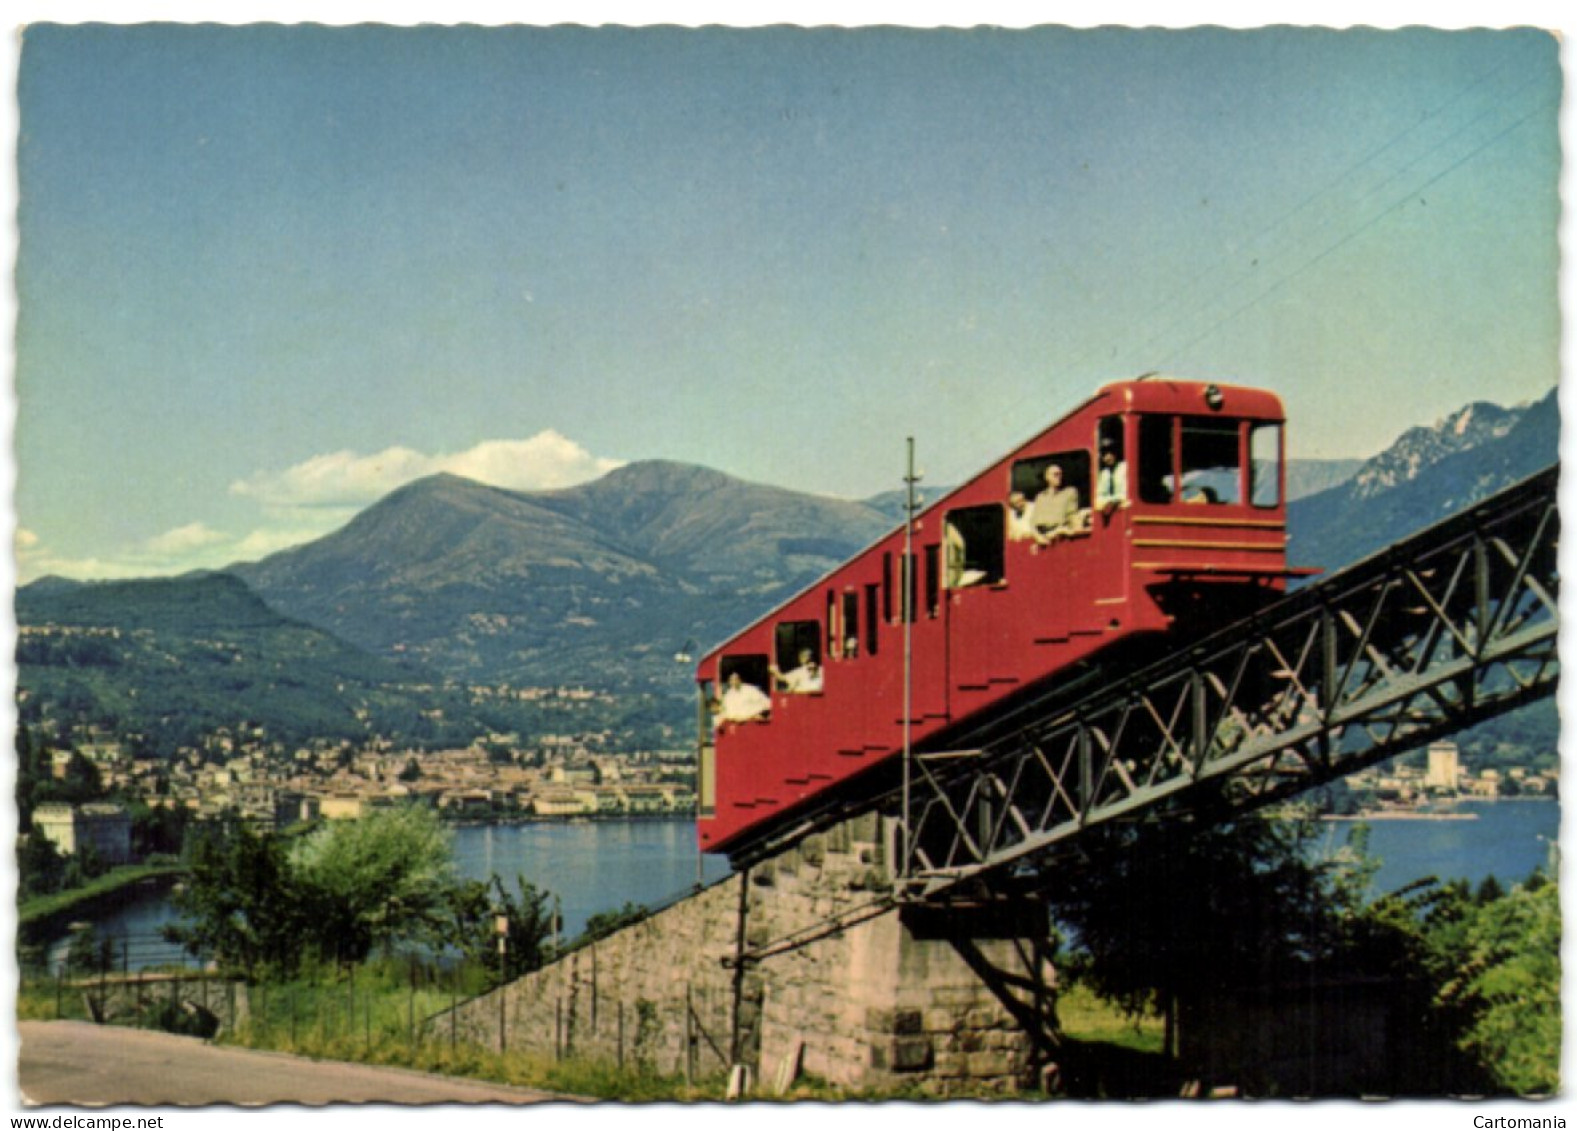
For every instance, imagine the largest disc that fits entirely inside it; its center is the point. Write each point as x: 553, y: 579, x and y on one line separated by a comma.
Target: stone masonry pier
x: 899, y: 998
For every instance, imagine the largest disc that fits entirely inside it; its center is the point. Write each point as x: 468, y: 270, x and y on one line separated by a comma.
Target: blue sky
x: 267, y: 274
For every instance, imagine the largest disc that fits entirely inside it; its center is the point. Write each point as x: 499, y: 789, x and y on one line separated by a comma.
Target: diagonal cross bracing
x: 1450, y: 627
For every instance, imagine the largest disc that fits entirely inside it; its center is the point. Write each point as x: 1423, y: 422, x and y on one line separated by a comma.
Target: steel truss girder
x: 1452, y: 626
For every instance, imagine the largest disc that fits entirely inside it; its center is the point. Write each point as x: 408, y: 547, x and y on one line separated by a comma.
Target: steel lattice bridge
x: 1452, y: 626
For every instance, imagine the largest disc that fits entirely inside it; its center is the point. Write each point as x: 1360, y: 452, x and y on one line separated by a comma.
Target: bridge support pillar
x: 938, y: 997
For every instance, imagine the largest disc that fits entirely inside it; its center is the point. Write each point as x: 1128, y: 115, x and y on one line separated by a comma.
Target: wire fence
x: 142, y: 980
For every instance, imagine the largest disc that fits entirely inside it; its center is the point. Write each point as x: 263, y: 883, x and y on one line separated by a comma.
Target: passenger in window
x: 959, y: 573
x: 1111, y: 481
x: 743, y: 701
x: 1202, y: 495
x: 1056, y: 508
x: 803, y: 680
x: 1021, y: 526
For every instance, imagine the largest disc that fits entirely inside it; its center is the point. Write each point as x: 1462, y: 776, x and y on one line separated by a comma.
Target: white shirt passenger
x: 803, y: 680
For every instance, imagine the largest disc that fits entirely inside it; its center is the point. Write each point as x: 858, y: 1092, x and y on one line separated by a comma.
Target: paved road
x: 80, y: 1063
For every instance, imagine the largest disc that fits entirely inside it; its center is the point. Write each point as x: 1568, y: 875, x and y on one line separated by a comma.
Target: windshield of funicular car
x: 1199, y: 459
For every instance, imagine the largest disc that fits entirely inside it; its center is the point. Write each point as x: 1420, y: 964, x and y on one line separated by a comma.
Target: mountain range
x: 602, y: 584
x: 1426, y: 475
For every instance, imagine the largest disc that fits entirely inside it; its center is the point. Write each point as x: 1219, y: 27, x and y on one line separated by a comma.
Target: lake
x: 600, y: 866
x: 590, y: 866
x: 1504, y: 839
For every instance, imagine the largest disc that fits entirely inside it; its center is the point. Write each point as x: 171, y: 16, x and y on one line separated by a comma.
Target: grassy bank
x: 45, y: 907
x: 379, y: 1016
x: 383, y: 1024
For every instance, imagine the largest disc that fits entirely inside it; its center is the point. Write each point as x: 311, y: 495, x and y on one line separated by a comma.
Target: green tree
x: 1503, y: 972
x: 28, y: 776
x: 1489, y: 890
x: 41, y: 868
x: 1174, y: 915
x: 377, y: 881
x: 242, y: 905
x: 475, y: 907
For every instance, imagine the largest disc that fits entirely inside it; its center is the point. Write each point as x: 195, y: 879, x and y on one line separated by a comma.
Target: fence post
x: 621, y: 1034
x: 410, y: 1009
x: 60, y: 973
x: 292, y: 1017
x: 689, y: 1037
x: 454, y: 1006
x: 503, y: 1019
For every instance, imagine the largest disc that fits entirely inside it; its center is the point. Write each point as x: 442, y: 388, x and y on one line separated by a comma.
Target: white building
x: 103, y: 827
x: 1444, y: 767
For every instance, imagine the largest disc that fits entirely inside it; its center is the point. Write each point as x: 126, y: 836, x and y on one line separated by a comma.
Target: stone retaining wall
x: 886, y: 1001
x: 123, y: 998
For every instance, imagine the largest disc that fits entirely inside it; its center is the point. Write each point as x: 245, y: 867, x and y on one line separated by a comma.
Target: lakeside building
x: 1445, y: 770
x: 104, y: 828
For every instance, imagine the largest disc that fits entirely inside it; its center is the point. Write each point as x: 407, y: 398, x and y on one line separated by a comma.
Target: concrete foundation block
x: 941, y: 1021
x: 911, y: 1054
x: 907, y: 1022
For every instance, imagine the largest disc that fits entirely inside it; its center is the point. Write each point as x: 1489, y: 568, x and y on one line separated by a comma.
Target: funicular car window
x: 746, y: 697
x: 751, y: 667
x: 1039, y: 478
x: 974, y: 538
x: 1029, y: 475
x: 1264, y: 450
x: 1211, y: 463
x: 1111, y: 465
x: 1156, y: 471
x: 794, y: 638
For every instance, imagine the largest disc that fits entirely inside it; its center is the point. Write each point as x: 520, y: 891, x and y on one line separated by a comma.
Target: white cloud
x: 185, y: 548
x: 37, y: 561
x: 546, y: 460
x: 345, y: 479
x: 338, y: 479
x: 183, y: 540
x: 314, y: 497
x: 271, y: 539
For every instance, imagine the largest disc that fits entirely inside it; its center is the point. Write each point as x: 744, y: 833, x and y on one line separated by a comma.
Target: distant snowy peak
x: 1420, y: 448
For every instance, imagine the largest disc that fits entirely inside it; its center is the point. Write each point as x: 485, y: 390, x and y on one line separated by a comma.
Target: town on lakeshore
x: 239, y: 771
x: 1402, y: 788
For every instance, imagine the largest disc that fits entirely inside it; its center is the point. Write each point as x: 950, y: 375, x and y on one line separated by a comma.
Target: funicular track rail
x: 1449, y: 627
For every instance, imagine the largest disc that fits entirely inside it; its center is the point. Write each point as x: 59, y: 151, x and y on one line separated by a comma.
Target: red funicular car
x: 1155, y: 507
